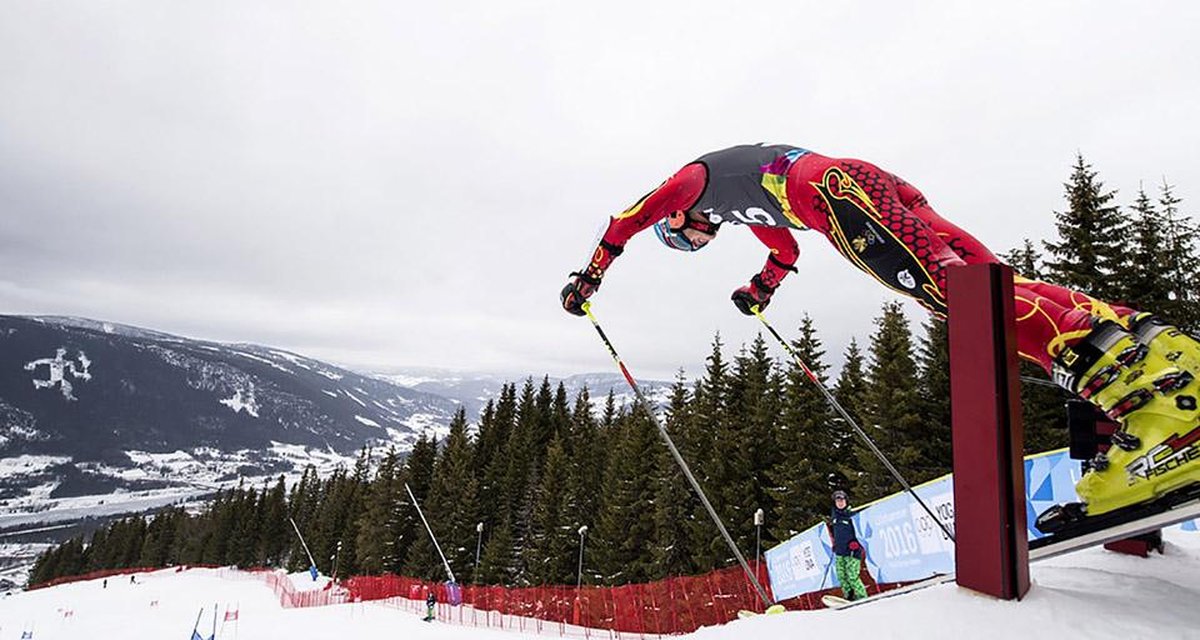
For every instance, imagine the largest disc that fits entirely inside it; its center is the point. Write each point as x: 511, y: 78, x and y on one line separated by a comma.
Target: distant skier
x: 847, y: 552
x: 430, y: 606
x: 1132, y: 365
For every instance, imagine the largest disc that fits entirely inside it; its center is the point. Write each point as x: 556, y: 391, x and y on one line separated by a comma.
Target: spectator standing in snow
x: 848, y: 553
x: 430, y: 604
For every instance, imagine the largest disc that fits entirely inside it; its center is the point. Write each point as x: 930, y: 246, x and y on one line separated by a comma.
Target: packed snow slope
x: 1091, y: 594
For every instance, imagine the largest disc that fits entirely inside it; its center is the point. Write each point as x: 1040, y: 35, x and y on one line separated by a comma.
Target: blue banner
x: 903, y: 541
x: 802, y: 564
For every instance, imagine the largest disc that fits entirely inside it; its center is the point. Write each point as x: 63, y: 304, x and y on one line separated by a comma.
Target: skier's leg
x: 854, y: 569
x: 1083, y: 339
x: 857, y: 207
x: 965, y: 245
x: 841, y: 567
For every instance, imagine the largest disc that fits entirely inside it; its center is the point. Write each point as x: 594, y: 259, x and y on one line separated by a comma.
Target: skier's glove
x: 585, y: 283
x: 856, y: 549
x: 577, y: 292
x: 757, y: 293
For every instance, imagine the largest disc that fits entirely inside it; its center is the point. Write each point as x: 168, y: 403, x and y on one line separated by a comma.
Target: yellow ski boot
x: 1167, y: 340
x: 1157, y: 449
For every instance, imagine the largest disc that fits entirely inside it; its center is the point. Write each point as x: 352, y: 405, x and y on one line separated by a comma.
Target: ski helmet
x: 841, y: 494
x: 670, y: 230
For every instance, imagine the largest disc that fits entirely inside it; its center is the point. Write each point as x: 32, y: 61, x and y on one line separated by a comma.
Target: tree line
x: 509, y: 496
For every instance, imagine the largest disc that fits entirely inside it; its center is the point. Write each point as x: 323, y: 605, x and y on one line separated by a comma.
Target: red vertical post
x: 991, y: 552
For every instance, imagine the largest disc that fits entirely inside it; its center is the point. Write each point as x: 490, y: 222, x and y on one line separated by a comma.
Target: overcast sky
x: 401, y: 183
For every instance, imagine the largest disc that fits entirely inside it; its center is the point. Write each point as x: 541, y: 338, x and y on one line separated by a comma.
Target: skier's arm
x: 784, y: 253
x: 678, y: 193
x: 783, y: 256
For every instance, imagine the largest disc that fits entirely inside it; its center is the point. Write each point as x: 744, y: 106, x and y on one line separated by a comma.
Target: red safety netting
x: 674, y: 605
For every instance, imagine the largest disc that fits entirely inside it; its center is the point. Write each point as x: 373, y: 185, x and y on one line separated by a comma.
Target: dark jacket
x: 843, y: 533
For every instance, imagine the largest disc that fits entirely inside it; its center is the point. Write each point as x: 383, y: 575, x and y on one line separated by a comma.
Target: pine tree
x: 933, y: 364
x: 807, y: 470
x: 850, y: 392
x: 1025, y: 260
x: 585, y: 473
x: 492, y: 463
x: 497, y: 565
x: 275, y: 530
x: 454, y: 499
x: 1180, y: 235
x: 543, y: 422
x: 560, y: 418
x: 302, y: 509
x: 1091, y: 233
x: 551, y: 535
x: 625, y: 527
x: 674, y: 501
x: 1141, y: 277
x: 410, y: 532
x: 743, y: 448
x: 375, y: 543
x: 247, y: 521
x: 710, y: 412
x: 892, y: 407
x: 160, y: 540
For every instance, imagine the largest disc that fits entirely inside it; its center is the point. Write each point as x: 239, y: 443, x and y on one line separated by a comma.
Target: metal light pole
x: 478, y: 544
x: 579, y: 580
x: 337, y: 555
x: 758, y: 523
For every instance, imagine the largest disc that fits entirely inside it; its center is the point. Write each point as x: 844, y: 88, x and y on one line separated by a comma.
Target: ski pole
x: 825, y: 573
x: 687, y: 472
x: 837, y: 406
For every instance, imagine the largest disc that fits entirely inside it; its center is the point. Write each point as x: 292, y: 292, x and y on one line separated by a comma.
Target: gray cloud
x: 387, y: 183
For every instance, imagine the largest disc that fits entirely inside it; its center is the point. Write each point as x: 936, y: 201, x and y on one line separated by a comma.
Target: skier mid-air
x: 1133, y: 366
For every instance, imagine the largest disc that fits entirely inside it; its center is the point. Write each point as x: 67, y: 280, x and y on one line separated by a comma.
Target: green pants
x: 847, y: 569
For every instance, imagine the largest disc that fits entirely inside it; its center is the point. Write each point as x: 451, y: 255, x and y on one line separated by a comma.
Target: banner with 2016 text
x: 903, y: 542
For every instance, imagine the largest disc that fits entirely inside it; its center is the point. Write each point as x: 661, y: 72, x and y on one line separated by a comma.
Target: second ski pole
x: 837, y: 406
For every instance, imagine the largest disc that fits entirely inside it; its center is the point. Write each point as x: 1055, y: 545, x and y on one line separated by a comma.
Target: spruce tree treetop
x: 1091, y: 235
x: 1141, y: 279
x: 1180, y: 235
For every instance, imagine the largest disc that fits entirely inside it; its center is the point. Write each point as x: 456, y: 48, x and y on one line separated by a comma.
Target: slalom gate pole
x: 683, y: 466
x: 431, y: 536
x: 837, y: 406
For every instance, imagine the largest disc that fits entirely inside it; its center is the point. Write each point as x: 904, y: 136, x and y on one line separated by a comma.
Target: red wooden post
x: 991, y: 552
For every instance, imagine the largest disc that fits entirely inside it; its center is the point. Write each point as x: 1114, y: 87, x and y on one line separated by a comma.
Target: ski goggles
x: 670, y: 230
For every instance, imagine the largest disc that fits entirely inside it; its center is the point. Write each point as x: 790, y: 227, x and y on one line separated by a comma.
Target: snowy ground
x: 1092, y: 594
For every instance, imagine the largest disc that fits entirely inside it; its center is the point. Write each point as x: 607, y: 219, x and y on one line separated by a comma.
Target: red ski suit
x: 882, y: 224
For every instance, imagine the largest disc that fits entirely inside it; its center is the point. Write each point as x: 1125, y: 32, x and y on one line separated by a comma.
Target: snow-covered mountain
x: 93, y: 408
x: 473, y: 389
x: 99, y: 419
